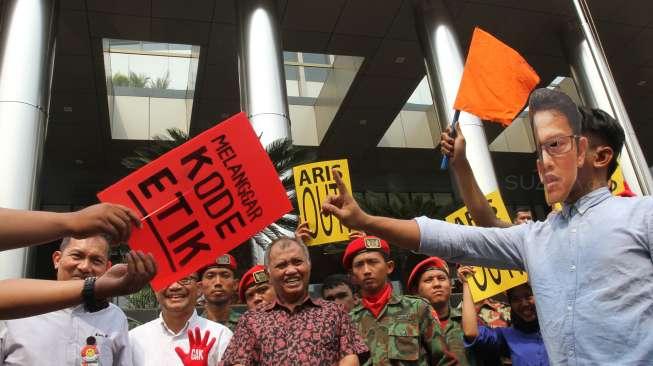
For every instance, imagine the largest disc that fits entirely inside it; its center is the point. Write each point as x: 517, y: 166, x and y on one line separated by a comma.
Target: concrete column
x: 444, y: 67
x: 262, y: 79
x: 26, y: 62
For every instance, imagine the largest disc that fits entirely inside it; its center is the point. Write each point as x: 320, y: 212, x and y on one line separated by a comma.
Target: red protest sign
x: 202, y: 199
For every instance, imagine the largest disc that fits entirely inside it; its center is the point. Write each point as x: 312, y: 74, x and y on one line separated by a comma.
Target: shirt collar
x: 189, y: 323
x: 586, y: 202
x: 307, y: 301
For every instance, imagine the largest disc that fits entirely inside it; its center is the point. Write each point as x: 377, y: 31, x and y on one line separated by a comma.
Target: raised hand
x: 303, y: 232
x: 355, y: 234
x: 464, y: 272
x: 124, y: 279
x: 344, y: 206
x: 198, y: 354
x: 112, y: 220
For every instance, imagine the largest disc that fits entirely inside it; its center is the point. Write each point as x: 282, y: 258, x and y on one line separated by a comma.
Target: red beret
x: 225, y: 260
x: 364, y: 244
x: 254, y: 276
x: 421, y: 267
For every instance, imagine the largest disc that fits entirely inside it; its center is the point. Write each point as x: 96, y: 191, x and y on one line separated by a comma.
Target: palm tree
x: 138, y: 80
x: 132, y: 80
x: 282, y: 152
x: 162, y: 82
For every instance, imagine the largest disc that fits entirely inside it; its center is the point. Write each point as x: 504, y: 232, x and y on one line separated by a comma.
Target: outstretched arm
x: 489, y: 247
x: 468, y: 188
x: 26, y: 297
x: 19, y: 228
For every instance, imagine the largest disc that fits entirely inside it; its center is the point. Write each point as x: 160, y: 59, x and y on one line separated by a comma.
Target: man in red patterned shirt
x: 295, y: 329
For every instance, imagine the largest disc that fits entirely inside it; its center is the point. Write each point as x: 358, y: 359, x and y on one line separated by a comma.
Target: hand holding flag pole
x: 444, y: 165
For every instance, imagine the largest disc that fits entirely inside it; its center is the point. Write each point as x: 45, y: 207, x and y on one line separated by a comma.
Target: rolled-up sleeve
x: 487, y: 247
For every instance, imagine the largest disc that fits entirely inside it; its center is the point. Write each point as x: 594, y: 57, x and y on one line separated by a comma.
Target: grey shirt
x: 590, y: 267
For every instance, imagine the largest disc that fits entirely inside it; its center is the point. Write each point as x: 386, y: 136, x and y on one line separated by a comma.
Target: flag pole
x: 445, y: 159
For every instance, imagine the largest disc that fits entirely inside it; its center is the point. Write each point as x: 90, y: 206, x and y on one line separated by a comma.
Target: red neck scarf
x: 377, y: 302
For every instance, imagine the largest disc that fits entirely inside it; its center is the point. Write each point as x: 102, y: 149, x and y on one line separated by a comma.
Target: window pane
x: 316, y: 74
x: 315, y: 58
x: 292, y: 72
x: 290, y: 56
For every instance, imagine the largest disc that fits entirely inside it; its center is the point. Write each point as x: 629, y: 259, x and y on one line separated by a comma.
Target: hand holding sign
x: 202, y: 199
x: 313, y: 183
x: 303, y: 232
x: 114, y: 221
x: 487, y: 282
x: 198, y: 353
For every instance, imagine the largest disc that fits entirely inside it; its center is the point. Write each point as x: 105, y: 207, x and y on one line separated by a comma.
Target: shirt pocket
x: 403, y: 341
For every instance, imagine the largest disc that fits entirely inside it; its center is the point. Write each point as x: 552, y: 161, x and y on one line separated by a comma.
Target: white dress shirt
x: 57, y: 338
x: 153, y: 343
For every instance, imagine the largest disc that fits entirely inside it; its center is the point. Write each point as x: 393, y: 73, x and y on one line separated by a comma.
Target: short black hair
x: 523, y: 209
x: 335, y: 280
x: 544, y: 99
x: 600, y: 128
x: 66, y: 241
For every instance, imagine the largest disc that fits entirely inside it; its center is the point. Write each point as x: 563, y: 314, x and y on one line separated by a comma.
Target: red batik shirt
x: 316, y: 333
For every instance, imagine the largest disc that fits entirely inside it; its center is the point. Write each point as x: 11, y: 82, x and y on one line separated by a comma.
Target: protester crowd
x: 589, y: 299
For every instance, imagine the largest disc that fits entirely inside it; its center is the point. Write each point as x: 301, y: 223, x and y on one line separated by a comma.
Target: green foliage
x: 134, y: 80
x: 143, y: 299
x: 283, y: 154
x: 162, y: 82
x: 138, y: 80
x: 119, y: 79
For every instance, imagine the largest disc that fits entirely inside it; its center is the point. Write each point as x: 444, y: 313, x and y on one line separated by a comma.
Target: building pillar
x: 444, y: 67
x: 262, y: 79
x: 26, y: 63
x: 597, y: 89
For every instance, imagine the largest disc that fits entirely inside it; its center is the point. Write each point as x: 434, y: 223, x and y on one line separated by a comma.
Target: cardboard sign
x: 616, y: 182
x: 202, y: 199
x: 487, y: 282
x: 313, y: 183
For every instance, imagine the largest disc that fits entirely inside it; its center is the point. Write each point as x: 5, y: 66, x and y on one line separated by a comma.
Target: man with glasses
x: 590, y: 265
x: 154, y: 343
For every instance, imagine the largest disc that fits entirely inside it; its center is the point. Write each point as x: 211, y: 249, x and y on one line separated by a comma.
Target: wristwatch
x: 88, y: 295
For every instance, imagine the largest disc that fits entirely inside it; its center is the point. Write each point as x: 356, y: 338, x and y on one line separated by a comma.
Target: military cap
x: 254, y: 276
x: 364, y: 244
x: 425, y: 265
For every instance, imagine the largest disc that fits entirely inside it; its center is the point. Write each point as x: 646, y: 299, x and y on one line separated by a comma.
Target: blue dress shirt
x: 590, y: 267
x: 524, y: 349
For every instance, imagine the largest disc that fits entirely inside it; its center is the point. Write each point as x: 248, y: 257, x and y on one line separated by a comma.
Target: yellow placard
x: 616, y: 182
x: 313, y: 183
x: 487, y: 282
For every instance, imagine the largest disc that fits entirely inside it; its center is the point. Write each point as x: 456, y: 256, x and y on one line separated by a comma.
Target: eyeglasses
x: 557, y: 145
x: 187, y: 280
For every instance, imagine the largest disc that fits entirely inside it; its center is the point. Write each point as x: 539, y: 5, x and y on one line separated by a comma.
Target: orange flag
x: 496, y: 81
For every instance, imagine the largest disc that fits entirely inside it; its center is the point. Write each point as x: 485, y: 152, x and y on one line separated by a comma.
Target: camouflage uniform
x: 453, y: 337
x: 232, y: 320
x: 405, y: 333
